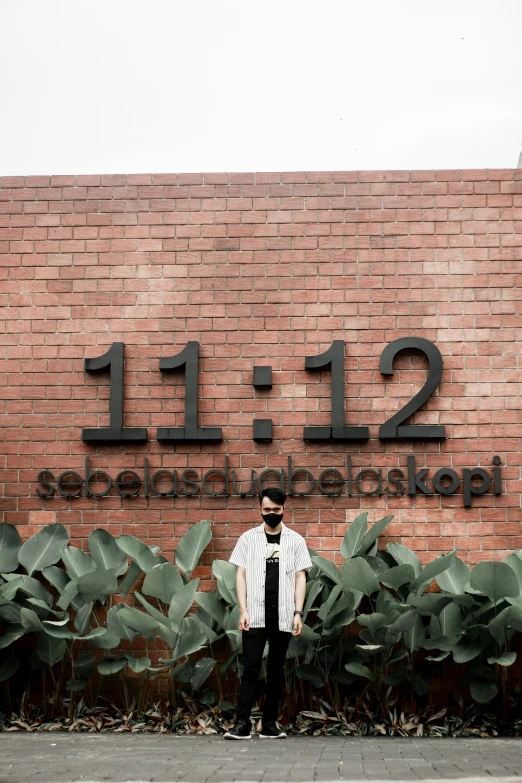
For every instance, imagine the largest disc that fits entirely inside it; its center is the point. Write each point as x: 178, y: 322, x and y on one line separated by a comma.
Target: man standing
x: 271, y: 562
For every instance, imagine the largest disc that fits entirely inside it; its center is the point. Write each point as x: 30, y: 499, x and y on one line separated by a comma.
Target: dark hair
x: 274, y: 494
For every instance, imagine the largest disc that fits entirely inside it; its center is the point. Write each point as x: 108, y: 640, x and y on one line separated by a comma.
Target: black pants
x: 253, y: 647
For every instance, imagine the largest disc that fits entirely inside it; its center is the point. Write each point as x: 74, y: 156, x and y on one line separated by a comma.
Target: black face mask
x: 272, y: 520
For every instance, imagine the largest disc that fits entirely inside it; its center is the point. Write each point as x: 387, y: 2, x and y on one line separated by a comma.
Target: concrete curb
x: 488, y: 779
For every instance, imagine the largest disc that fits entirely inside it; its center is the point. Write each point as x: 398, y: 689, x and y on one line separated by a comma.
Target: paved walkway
x: 61, y: 758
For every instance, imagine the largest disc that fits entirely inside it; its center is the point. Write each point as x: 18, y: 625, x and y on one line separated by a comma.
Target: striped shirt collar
x: 261, y: 529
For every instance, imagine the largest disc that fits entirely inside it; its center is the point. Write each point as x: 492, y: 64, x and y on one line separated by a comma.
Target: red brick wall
x: 263, y: 269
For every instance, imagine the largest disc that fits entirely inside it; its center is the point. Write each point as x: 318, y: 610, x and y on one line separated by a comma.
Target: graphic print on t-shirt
x: 273, y: 548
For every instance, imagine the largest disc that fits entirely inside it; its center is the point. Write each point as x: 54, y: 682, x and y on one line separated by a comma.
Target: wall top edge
x: 259, y: 178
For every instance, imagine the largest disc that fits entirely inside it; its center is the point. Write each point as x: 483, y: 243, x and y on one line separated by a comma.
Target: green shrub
x: 74, y: 603
x: 371, y: 628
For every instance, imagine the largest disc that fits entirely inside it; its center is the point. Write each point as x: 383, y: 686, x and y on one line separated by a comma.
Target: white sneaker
x: 270, y: 731
x: 241, y: 731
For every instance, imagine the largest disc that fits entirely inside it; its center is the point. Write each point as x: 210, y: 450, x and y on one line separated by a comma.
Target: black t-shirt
x: 273, y: 543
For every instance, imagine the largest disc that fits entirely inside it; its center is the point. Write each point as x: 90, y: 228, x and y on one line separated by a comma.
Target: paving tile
x: 62, y: 758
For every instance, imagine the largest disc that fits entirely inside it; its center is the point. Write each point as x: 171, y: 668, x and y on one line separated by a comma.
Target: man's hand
x: 298, y: 625
x: 244, y: 621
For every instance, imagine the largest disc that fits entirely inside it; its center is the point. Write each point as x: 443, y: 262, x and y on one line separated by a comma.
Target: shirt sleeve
x: 239, y: 555
x: 302, y: 558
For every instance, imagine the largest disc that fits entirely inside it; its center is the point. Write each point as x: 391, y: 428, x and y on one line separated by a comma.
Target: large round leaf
x: 359, y: 669
x: 328, y: 568
x: 130, y: 579
x: 213, y: 605
x: 9, y: 589
x: 138, y: 665
x: 58, y: 629
x: 200, y: 625
x: 326, y: 606
x: 43, y: 549
x: 111, y: 666
x: 431, y: 570
x: 450, y: 622
x: 505, y: 659
x: 377, y: 564
x: 102, y: 638
x: 235, y: 638
x: 308, y: 637
x: 139, y: 552
x: 189, y: 643
x: 10, y: 543
x: 162, y: 582
x: 152, y: 610
x: 41, y: 605
x: 60, y: 580
x: 514, y: 562
x: 49, y: 649
x: 139, y: 621
x: 415, y: 636
x: 430, y: 603
x: 83, y: 618
x: 77, y: 563
x: 440, y: 643
x: 97, y: 585
x: 115, y: 624
x: 439, y: 657
x: 401, y: 554
x: 353, y: 537
x: 454, y: 579
x: 403, y: 623
x: 181, y: 602
x: 312, y: 591
x: 494, y: 580
x: 183, y: 671
x: 369, y: 649
x: 28, y: 585
x: 30, y: 620
x: 70, y: 596
x: 373, y: 534
x: 373, y: 621
x: 397, y: 576
x: 510, y: 617
x: 10, y: 611
x: 342, y: 612
x: 225, y: 576
x: 483, y: 692
x: 56, y: 577
x: 191, y: 546
x: 13, y: 633
x: 85, y: 664
x: 76, y: 685
x: 466, y: 651
x: 201, y: 672
x: 105, y: 552
x: 168, y: 633
x: 356, y: 574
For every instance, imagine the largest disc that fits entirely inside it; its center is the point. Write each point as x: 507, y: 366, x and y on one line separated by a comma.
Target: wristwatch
x: 298, y: 612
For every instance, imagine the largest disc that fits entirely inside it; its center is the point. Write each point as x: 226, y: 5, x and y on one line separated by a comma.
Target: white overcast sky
x: 219, y: 85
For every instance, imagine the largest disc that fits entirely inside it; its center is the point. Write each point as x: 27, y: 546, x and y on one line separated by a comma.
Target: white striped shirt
x: 249, y: 553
